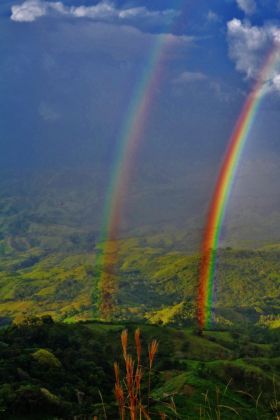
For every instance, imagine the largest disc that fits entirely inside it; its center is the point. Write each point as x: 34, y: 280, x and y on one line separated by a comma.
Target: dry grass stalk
x: 130, y: 381
x: 121, y: 400
x: 213, y: 408
x: 124, y: 337
x: 144, y: 411
x: 152, y: 348
x: 103, y: 405
x: 138, y: 378
x: 119, y: 394
x: 128, y: 396
x: 138, y: 345
x: 117, y: 372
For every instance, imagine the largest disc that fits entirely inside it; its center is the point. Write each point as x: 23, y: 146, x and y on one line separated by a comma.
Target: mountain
x: 50, y: 246
x: 154, y: 282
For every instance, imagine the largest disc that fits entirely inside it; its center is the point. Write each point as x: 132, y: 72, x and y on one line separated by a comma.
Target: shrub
x: 45, y: 357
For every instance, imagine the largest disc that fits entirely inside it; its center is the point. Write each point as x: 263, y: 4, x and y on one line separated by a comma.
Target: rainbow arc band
x: 129, y: 140
x: 223, y: 188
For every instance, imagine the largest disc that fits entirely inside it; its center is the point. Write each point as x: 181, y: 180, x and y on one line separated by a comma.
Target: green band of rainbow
x: 223, y: 189
x: 129, y: 139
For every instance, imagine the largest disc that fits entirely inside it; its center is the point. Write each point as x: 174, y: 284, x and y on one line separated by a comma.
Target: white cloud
x: 213, y: 17
x: 248, y: 6
x: 246, y: 45
x: 30, y: 10
x: 189, y: 77
x: 225, y: 92
x: 276, y: 81
x: 249, y: 47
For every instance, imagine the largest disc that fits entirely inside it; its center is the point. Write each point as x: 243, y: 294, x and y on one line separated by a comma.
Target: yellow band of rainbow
x: 131, y: 135
x: 223, y: 188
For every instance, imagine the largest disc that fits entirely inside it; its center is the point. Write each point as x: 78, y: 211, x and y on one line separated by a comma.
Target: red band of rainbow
x: 223, y: 189
x: 129, y: 139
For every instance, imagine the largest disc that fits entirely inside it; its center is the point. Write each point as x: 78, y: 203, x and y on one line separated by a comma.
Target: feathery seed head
x: 124, y: 337
x: 138, y: 344
x: 152, y: 349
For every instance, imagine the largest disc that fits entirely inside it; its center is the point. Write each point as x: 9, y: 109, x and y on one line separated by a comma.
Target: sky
x: 70, y: 70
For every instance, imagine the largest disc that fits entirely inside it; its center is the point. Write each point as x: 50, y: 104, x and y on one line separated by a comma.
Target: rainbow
x: 223, y: 188
x: 129, y: 140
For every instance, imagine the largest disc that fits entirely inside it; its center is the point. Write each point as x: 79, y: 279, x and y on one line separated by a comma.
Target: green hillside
x: 49, y: 249
x: 50, y: 267
x: 155, y: 282
x: 52, y: 370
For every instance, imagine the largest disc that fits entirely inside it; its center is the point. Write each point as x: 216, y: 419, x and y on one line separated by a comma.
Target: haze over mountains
x: 163, y: 197
x: 66, y: 85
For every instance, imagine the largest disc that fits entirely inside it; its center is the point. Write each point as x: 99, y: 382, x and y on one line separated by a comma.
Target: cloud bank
x: 249, y: 47
x: 213, y: 17
x: 31, y: 10
x: 248, y: 6
x: 189, y: 77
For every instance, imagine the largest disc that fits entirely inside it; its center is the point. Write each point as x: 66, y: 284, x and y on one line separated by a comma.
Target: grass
x: 155, y: 283
x: 199, y: 391
x: 188, y: 377
x: 132, y: 402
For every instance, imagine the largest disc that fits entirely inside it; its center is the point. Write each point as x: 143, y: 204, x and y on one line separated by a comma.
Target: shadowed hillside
x: 51, y: 370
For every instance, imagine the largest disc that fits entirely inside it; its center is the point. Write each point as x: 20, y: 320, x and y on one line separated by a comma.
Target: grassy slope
x: 49, y: 241
x: 187, y: 367
x: 154, y: 283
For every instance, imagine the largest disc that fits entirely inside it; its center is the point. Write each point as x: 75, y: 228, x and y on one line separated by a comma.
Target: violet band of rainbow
x: 129, y: 139
x: 223, y: 188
